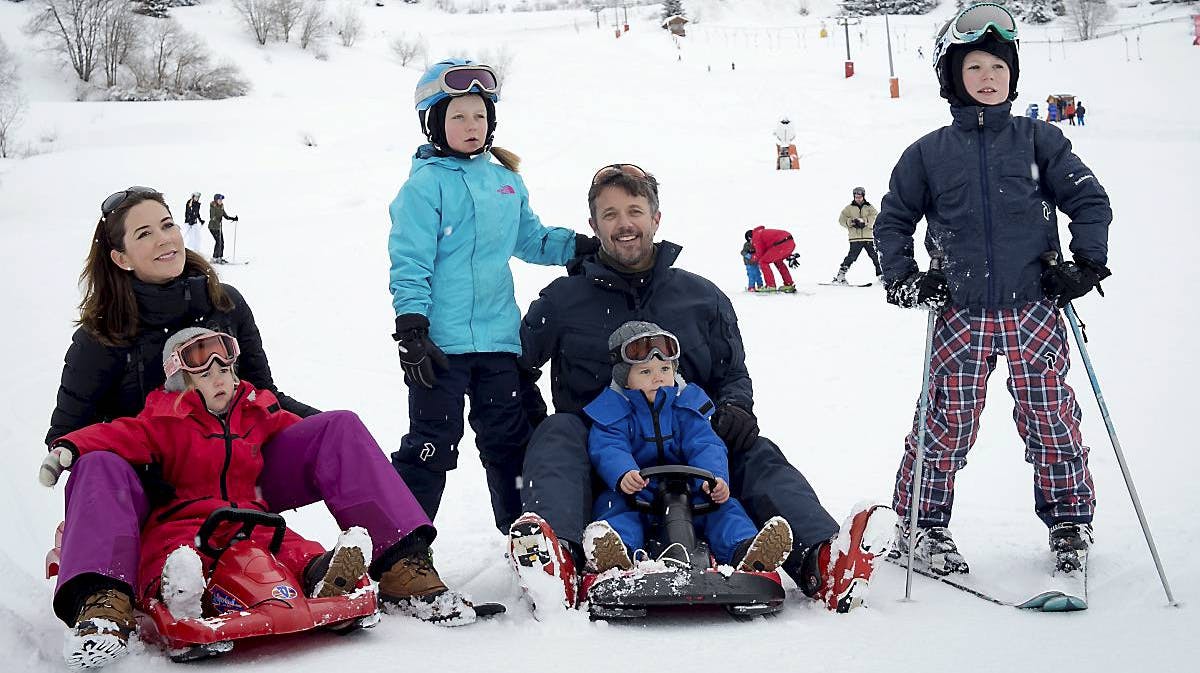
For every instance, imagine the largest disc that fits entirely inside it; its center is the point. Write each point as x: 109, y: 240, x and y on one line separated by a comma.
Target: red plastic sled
x: 249, y: 594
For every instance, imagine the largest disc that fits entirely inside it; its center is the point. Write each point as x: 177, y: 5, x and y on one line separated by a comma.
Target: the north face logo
x: 507, y: 189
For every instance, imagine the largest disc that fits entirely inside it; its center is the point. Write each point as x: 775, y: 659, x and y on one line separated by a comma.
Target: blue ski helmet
x: 433, y: 87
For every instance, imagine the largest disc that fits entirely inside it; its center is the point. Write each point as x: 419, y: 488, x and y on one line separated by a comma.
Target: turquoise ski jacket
x: 455, y: 224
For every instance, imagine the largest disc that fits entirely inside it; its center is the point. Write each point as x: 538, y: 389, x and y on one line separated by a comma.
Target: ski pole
x: 233, y: 256
x: 922, y: 413
x: 1051, y: 258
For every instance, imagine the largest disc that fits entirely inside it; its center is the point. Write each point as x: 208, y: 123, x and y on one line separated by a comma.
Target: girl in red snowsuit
x: 208, y: 440
x: 772, y: 246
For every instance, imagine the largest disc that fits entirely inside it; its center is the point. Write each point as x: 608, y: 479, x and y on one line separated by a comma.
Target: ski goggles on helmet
x: 640, y: 348
x: 461, y: 79
x: 118, y: 199
x: 197, y: 354
x: 972, y: 24
x: 632, y: 170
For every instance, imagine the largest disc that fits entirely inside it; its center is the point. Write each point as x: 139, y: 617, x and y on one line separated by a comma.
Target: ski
x: 1050, y: 600
x: 847, y: 284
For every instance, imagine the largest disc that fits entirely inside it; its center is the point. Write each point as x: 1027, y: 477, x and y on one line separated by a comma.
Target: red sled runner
x: 249, y: 594
x: 787, y: 158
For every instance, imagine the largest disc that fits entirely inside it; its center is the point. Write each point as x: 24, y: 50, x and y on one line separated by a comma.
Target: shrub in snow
x: 348, y: 24
x: 407, y: 49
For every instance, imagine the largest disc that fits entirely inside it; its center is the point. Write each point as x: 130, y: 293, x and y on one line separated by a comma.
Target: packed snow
x: 311, y: 158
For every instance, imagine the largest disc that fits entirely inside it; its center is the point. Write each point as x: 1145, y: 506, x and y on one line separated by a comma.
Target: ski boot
x: 935, y: 548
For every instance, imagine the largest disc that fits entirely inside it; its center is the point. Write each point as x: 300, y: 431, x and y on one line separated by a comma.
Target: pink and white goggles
x: 197, y: 354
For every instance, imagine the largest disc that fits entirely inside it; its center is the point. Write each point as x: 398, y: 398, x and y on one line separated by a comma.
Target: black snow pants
x: 430, y: 449
x: 856, y: 248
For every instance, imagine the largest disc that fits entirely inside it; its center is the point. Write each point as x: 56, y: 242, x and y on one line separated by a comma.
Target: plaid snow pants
x: 1033, y: 341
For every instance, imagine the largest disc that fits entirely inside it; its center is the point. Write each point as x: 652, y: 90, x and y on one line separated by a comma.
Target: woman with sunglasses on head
x: 141, y: 285
x: 988, y: 186
x: 457, y: 221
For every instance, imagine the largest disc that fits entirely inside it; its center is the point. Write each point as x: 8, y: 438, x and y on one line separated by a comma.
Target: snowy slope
x: 836, y: 371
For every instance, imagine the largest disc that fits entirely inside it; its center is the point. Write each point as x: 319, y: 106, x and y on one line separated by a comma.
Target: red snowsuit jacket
x: 211, y: 461
x: 772, y: 245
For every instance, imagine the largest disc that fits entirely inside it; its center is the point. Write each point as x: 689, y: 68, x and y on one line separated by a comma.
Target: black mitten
x: 419, y: 356
x: 586, y: 245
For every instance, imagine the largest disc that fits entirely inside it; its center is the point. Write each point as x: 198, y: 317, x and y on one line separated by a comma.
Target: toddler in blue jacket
x: 456, y: 222
x: 650, y: 416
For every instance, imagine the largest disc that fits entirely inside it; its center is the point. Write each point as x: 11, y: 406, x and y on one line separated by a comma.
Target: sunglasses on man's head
x: 118, y: 199
x: 631, y: 170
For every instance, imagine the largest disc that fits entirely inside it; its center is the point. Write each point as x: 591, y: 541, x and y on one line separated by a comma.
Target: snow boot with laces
x: 101, y: 631
x: 412, y: 587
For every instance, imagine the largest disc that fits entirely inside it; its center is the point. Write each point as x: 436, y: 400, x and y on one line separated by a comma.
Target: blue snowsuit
x: 628, y: 434
x: 456, y: 223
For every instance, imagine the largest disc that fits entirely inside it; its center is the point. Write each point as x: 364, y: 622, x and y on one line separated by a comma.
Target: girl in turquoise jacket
x: 456, y: 223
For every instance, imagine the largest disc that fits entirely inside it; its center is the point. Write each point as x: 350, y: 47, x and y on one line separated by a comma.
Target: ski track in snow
x: 836, y: 373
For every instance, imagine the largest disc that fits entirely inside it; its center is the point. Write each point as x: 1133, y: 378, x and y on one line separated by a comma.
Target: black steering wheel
x: 676, y: 480
x: 249, y: 518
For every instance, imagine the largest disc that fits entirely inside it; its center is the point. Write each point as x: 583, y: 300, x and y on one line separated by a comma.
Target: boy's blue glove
x: 420, y: 358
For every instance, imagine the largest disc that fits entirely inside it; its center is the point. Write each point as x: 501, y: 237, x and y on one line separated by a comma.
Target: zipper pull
x: 980, y: 117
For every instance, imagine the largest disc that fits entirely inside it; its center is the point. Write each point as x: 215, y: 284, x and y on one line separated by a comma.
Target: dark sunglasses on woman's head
x: 632, y: 170
x: 118, y: 199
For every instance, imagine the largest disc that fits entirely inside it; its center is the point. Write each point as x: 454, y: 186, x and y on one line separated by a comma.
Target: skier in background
x: 191, y: 218
x: 774, y: 246
x: 996, y: 296
x: 785, y: 136
x: 858, y: 218
x: 216, y: 217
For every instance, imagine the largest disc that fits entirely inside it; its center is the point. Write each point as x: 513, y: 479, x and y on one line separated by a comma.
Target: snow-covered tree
x: 153, y: 8
x: 1039, y: 11
x: 1088, y: 15
x: 893, y: 7
x: 673, y: 8
x: 12, y: 100
x: 73, y: 29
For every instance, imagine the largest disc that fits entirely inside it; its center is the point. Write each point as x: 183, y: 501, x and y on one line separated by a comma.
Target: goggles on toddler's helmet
x: 197, y: 354
x: 971, y: 25
x: 640, y: 348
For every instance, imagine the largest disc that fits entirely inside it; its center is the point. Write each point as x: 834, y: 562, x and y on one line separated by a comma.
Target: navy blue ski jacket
x: 988, y: 186
x: 571, y: 320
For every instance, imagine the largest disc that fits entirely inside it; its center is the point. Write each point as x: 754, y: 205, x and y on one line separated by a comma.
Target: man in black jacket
x: 632, y: 278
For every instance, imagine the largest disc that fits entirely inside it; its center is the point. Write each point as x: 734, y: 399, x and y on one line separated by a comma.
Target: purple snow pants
x: 330, y: 456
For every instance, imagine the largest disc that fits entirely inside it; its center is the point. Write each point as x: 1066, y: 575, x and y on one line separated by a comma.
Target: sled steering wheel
x: 676, y: 480
x: 249, y: 518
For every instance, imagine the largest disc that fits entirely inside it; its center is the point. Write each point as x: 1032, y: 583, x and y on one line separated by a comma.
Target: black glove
x: 735, y: 426
x: 923, y: 289
x: 586, y: 245
x: 793, y: 260
x: 420, y: 358
x: 234, y: 218
x: 531, y: 395
x: 859, y: 224
x: 1071, y: 280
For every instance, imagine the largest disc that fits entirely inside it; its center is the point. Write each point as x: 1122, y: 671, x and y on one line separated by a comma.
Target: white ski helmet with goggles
x: 986, y: 26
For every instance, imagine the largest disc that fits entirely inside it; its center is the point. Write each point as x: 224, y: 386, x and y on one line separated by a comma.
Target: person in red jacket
x: 773, y: 246
x: 207, y: 431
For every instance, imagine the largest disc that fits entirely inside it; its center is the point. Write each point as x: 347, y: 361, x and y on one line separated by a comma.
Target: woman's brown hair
x: 109, y: 308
